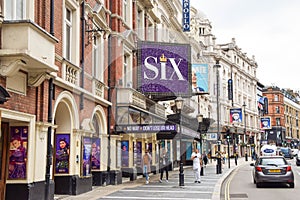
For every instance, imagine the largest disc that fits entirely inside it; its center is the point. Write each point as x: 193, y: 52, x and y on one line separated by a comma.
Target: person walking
x: 196, y: 157
x: 164, y: 164
x: 146, y: 165
x: 205, y: 159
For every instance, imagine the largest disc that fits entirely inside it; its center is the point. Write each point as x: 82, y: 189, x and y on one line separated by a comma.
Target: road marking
x: 164, y: 198
x: 227, y: 186
x: 168, y: 191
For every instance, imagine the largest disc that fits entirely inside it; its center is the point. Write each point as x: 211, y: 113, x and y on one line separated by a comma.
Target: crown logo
x: 163, y: 58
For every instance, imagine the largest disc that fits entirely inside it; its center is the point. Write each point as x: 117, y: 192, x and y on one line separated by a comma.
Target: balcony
x: 27, y: 47
x: 129, y: 96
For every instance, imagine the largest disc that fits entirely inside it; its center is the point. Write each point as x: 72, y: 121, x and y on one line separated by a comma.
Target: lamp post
x: 179, y: 105
x: 234, y: 144
x: 219, y: 163
x: 246, y: 154
x: 200, y: 120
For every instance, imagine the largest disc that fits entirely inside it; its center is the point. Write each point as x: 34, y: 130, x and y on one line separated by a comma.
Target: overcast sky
x: 267, y: 29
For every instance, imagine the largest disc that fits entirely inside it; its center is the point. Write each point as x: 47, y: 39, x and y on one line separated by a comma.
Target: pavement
x: 208, y: 189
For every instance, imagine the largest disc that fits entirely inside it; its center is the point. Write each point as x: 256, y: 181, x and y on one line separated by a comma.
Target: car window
x: 284, y: 150
x: 272, y: 161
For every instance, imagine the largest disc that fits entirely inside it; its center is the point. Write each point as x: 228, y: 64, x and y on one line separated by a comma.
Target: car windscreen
x: 285, y: 151
x: 272, y: 161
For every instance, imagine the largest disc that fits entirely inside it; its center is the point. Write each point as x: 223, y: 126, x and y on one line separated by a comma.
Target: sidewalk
x: 209, y: 188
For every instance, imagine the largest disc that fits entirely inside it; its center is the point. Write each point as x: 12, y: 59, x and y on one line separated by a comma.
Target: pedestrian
x: 205, y: 159
x: 196, y: 157
x: 146, y: 165
x: 164, y: 164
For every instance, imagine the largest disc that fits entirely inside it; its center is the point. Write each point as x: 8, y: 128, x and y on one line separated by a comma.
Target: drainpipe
x: 49, y: 146
x: 109, y: 110
x: 50, y: 97
x: 82, y: 53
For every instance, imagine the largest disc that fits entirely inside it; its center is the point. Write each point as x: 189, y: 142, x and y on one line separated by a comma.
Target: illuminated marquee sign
x: 146, y: 128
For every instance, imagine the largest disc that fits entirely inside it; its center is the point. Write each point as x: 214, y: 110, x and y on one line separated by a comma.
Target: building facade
x: 228, y: 63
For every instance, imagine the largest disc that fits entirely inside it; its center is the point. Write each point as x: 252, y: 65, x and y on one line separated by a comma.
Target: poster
x: 236, y: 115
x: 137, y: 153
x: 18, y: 152
x: 96, y: 152
x: 125, y: 153
x: 62, y: 154
x: 87, y: 154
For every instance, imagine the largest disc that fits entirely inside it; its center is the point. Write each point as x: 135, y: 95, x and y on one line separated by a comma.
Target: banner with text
x: 164, y: 68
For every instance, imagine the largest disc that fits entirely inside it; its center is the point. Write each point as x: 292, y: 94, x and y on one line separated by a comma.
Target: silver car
x: 272, y: 169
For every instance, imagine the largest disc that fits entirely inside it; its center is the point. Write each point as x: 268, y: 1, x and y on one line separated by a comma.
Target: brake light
x: 289, y: 168
x: 258, y: 169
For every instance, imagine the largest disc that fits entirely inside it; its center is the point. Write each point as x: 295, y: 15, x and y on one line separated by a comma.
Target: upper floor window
x: 126, y: 11
x: 275, y: 97
x: 127, y: 71
x: 140, y: 24
x: 277, y: 110
x: 201, y: 31
x: 98, y: 55
x: 277, y: 121
x: 68, y: 33
x: 15, y: 9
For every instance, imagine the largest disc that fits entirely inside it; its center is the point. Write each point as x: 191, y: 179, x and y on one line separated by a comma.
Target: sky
x: 267, y: 29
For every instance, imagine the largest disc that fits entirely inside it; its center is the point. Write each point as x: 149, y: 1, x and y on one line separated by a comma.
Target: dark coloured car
x: 287, y: 152
x: 298, y: 160
x: 272, y: 169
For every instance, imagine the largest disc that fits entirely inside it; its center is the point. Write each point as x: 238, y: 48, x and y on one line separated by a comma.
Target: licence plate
x: 274, y: 170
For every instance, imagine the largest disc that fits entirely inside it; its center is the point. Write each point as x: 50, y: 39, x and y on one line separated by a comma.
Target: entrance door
x: 3, y: 158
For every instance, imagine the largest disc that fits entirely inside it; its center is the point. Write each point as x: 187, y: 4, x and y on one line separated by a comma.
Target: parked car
x: 298, y: 160
x: 287, y: 152
x: 272, y: 169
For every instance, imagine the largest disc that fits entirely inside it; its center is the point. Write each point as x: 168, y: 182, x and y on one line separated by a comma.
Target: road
x: 239, y: 185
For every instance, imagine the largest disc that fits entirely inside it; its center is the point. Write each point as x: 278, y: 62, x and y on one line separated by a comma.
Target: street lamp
x: 179, y: 105
x: 219, y: 163
x: 246, y: 154
x: 200, y: 120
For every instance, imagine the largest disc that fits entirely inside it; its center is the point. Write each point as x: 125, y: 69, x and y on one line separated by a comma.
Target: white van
x: 268, y: 150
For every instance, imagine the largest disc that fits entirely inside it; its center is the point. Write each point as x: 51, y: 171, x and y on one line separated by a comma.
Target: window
x: 125, y: 69
x: 68, y: 33
x: 15, y: 9
x: 277, y: 110
x: 140, y: 26
x: 98, y: 68
x: 275, y: 97
x: 126, y: 11
x: 278, y: 121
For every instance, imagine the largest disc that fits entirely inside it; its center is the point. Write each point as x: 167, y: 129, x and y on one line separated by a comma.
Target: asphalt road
x: 239, y: 185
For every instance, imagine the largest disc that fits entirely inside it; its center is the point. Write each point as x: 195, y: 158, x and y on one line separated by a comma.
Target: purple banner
x: 125, y: 153
x: 18, y: 152
x: 62, y: 153
x: 96, y: 153
x: 164, y: 68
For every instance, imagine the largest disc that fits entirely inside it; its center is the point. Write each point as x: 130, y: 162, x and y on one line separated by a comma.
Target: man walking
x: 146, y: 165
x: 164, y: 164
x: 196, y: 157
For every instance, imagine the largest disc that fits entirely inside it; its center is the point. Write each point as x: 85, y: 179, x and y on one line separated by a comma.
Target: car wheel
x: 258, y: 185
x: 292, y: 185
